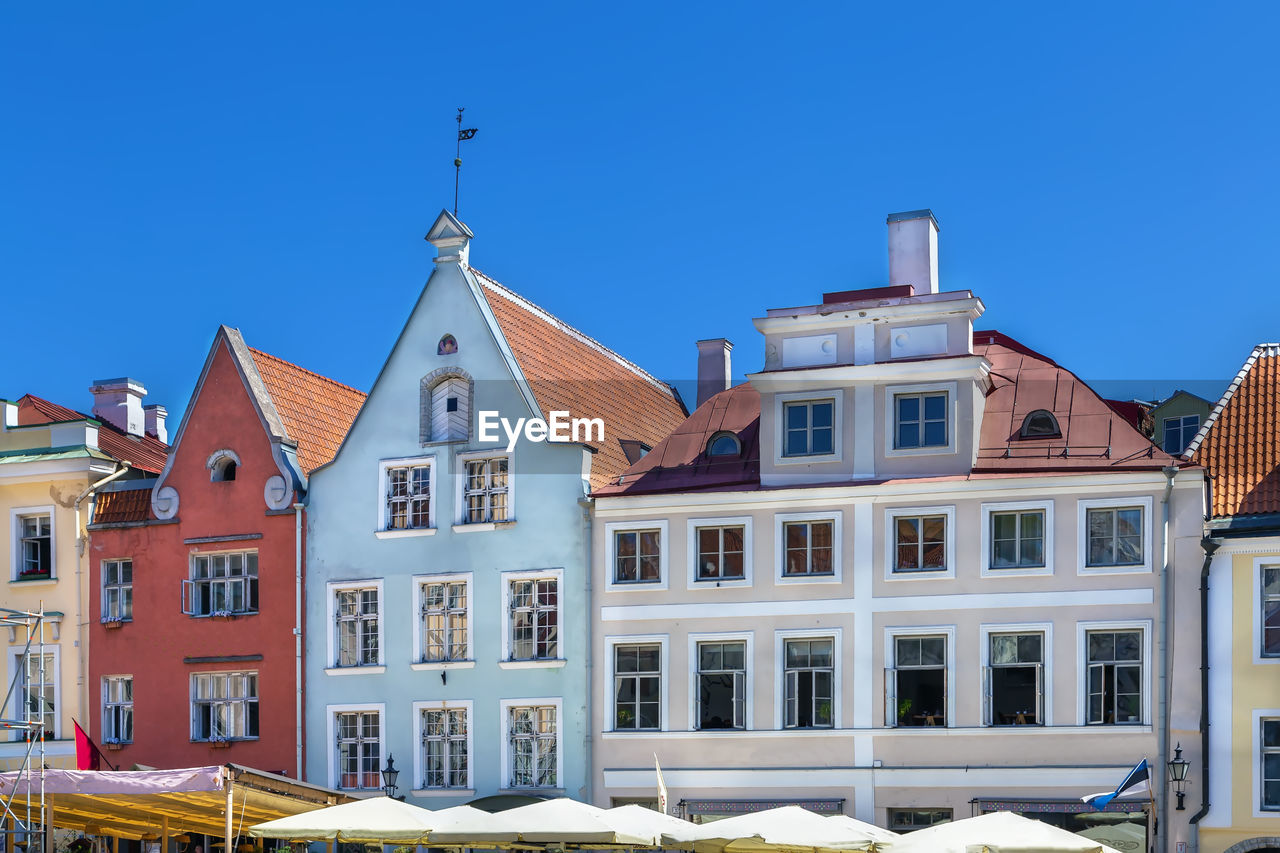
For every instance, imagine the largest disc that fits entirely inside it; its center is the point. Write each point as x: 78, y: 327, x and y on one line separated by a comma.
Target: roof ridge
x: 305, y: 370
x: 553, y: 320
x: 1259, y: 351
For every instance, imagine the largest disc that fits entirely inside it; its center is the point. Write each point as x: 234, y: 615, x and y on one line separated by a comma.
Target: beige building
x: 907, y: 572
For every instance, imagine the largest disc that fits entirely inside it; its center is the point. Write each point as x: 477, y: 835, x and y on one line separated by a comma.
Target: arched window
x: 445, y: 406
x: 222, y: 465
x: 1040, y: 424
x: 724, y: 444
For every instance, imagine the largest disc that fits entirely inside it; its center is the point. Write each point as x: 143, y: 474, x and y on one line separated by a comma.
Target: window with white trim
x: 722, y: 684
x: 1113, y: 679
x: 1270, y: 770
x: 919, y: 543
x: 1178, y: 433
x: 532, y: 735
x: 486, y: 495
x: 445, y: 762
x: 35, y: 547
x: 534, y: 618
x: 637, y: 686
x: 444, y: 621
x: 117, y: 590
x: 917, y: 681
x: 224, y: 706
x: 36, y: 692
x: 1114, y: 536
x: 408, y: 497
x: 359, y: 749
x: 1270, y: 611
x: 221, y: 584
x: 1014, y: 679
x: 808, y: 548
x: 920, y: 420
x: 356, y: 626
x: 1017, y: 539
x: 117, y: 709
x: 808, y: 428
x: 808, y: 682
x: 637, y: 556
x: 721, y: 553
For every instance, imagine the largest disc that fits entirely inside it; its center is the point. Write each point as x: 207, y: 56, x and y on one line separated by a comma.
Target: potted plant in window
x: 112, y: 743
x: 222, y: 615
x: 112, y: 622
x: 219, y: 742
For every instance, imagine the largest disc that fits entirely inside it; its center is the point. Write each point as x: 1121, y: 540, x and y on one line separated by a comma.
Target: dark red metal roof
x: 146, y: 453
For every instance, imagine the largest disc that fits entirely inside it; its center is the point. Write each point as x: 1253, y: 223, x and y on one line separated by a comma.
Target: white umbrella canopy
x: 850, y: 824
x: 376, y: 819
x: 465, y: 826
x: 567, y: 821
x: 996, y: 832
x: 645, y: 822
x: 789, y: 828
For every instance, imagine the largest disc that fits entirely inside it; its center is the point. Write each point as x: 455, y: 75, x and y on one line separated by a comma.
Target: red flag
x: 87, y: 755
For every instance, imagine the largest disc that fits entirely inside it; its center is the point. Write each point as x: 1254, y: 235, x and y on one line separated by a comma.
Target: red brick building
x: 197, y: 575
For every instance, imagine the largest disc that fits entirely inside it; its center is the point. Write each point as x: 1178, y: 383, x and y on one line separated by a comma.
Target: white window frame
x: 433, y: 504
x: 460, y: 523
x: 257, y: 699
x: 331, y: 741
x: 891, y: 392
x: 505, y: 615
x: 16, y: 514
x: 780, y: 638
x: 331, y: 591
x: 1164, y: 432
x: 781, y: 519
x: 664, y: 554
x: 1083, y: 629
x: 190, y: 586
x: 990, y: 509
x: 419, y: 765
x: 891, y: 515
x: 415, y: 651
x: 1082, y: 535
x: 1045, y: 629
x: 103, y: 586
x: 748, y: 680
x: 691, y: 551
x: 891, y: 635
x: 836, y: 396
x: 504, y: 710
x: 104, y: 692
x: 15, y: 662
x: 1258, y: 715
x: 663, y: 642
x: 1259, y: 563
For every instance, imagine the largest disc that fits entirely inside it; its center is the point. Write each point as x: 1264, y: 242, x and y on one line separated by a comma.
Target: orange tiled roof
x: 1239, y: 443
x: 146, y: 452
x: 317, y: 411
x: 123, y: 506
x: 569, y: 371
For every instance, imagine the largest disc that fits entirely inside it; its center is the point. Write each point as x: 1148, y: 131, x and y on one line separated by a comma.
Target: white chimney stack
x: 913, y: 250
x: 714, y: 373
x: 119, y: 403
x: 154, y: 416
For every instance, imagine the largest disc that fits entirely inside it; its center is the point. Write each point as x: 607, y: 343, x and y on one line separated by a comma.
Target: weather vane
x: 463, y: 135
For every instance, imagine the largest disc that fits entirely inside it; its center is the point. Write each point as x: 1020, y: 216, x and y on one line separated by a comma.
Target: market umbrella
x: 996, y: 832
x: 372, y: 820
x: 789, y: 828
x: 1126, y: 837
x: 850, y: 824
x: 645, y: 822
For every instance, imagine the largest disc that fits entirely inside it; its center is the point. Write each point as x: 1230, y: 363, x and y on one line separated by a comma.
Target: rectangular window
x: 357, y: 627
x: 444, y: 621
x: 919, y: 681
x: 224, y: 705
x: 1270, y: 611
x: 920, y: 543
x: 637, y: 556
x: 117, y: 709
x: 1017, y: 539
x: 1178, y: 433
x: 444, y: 748
x: 809, y: 428
x: 359, y: 750
x: 1270, y: 764
x: 485, y: 492
x: 117, y: 590
x: 808, y: 548
x: 722, y: 677
x: 535, y: 617
x: 37, y: 694
x: 36, y: 548
x: 1114, y: 677
x: 637, y: 686
x: 920, y: 420
x: 532, y: 732
x: 1115, y: 536
x: 1015, y: 679
x: 409, y: 497
x: 721, y: 553
x: 221, y: 585
x: 808, y: 680
x: 908, y: 820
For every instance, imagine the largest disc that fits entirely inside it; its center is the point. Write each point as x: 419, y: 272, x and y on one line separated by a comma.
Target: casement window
x: 1270, y: 611
x: 1178, y: 433
x: 356, y: 624
x: 445, y: 742
x: 117, y: 709
x: 117, y: 590
x: 808, y: 683
x: 809, y: 428
x: 533, y: 746
x: 808, y: 548
x: 408, y: 497
x: 444, y: 621
x: 919, y: 543
x: 909, y: 820
x: 224, y: 706
x: 722, y: 684
x: 221, y: 584
x: 1114, y: 677
x: 1017, y: 539
x: 1014, y: 679
x: 1270, y: 769
x: 36, y: 693
x: 1115, y: 536
x: 35, y: 547
x: 721, y: 553
x: 920, y: 420
x: 917, y: 681
x: 534, y: 619
x: 637, y: 556
x: 359, y: 749
x: 637, y: 686
x: 486, y: 493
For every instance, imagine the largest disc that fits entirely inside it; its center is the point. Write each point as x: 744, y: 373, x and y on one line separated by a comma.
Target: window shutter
x: 890, y: 697
x: 189, y: 598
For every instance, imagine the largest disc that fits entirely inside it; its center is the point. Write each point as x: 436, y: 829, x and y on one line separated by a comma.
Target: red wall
x: 153, y: 646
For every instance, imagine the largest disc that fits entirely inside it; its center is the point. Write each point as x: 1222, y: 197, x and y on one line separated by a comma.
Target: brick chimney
x: 154, y: 416
x: 714, y: 373
x: 913, y: 250
x: 119, y: 403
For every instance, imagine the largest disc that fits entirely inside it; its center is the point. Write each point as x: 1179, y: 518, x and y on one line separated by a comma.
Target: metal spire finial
x: 463, y: 135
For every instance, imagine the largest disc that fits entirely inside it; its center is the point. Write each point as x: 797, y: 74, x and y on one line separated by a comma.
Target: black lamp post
x: 1178, y: 767
x: 389, y: 776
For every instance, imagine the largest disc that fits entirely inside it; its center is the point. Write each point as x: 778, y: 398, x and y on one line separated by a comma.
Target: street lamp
x: 1178, y: 767
x: 389, y: 776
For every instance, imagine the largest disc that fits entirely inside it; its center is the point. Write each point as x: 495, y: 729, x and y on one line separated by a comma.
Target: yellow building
x: 1236, y: 794
x: 51, y: 461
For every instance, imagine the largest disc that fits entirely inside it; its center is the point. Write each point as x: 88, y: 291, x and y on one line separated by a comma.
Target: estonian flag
x: 1139, y: 776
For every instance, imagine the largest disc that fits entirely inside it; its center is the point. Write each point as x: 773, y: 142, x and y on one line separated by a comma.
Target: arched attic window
x: 724, y: 444
x: 445, y: 413
x: 222, y: 466
x: 1040, y: 424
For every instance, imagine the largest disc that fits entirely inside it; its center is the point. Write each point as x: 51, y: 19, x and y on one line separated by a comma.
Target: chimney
x: 119, y: 403
x: 913, y: 250
x: 10, y: 413
x: 154, y: 416
x: 714, y: 374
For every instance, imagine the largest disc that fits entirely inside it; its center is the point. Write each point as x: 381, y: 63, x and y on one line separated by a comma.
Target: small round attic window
x: 723, y: 444
x: 448, y: 345
x: 1040, y: 424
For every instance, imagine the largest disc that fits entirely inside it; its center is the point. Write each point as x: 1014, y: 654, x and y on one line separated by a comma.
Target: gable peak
x: 451, y: 237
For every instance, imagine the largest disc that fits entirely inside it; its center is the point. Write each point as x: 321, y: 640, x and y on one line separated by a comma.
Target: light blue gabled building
x: 447, y: 597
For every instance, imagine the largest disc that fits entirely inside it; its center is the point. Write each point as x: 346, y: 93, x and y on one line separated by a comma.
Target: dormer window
x: 222, y: 466
x: 724, y: 444
x: 445, y: 408
x: 1040, y: 424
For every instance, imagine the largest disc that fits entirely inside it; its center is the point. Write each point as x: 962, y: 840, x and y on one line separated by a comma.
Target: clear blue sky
x: 1105, y: 174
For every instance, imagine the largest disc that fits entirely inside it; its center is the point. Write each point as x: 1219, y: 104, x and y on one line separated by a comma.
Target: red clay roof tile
x: 123, y: 506
x: 146, y: 453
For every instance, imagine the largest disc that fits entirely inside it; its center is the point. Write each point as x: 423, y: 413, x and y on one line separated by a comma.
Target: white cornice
x: 971, y: 306
x: 955, y: 367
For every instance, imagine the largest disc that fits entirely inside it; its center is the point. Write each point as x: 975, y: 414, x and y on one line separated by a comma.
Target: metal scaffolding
x: 23, y: 711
